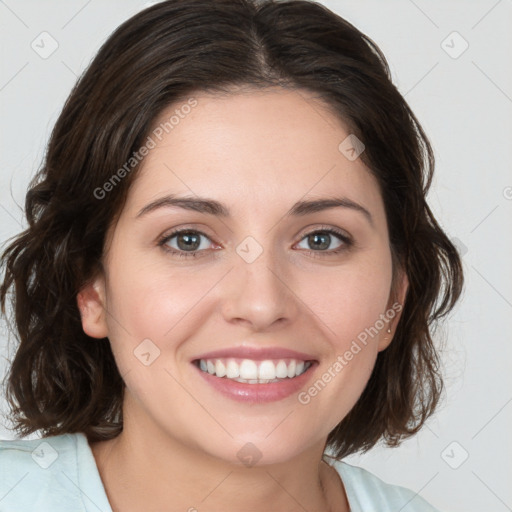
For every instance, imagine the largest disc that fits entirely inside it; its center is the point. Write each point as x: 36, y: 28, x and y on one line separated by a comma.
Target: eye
x: 185, y: 242
x: 321, y: 240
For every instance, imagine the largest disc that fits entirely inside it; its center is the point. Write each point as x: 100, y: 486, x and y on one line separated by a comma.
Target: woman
x: 230, y: 267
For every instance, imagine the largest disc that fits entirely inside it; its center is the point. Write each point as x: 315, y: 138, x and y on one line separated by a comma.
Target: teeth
x: 220, y: 369
x: 248, y: 369
x: 292, y: 367
x: 257, y: 381
x: 267, y: 370
x: 281, y: 370
x: 254, y: 372
x: 233, y: 370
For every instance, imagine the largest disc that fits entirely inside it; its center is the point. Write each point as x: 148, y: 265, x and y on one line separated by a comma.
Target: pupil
x: 316, y: 237
x: 191, y: 241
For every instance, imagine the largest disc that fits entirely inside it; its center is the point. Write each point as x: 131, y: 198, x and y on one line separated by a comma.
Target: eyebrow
x: 213, y: 207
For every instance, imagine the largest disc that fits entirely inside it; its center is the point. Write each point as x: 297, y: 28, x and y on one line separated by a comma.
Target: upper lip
x: 256, y: 353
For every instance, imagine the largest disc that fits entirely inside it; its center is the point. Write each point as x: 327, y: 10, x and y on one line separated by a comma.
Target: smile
x: 254, y: 372
x: 255, y: 381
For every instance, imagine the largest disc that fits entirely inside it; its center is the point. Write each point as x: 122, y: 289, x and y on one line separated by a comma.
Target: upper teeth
x: 249, y: 369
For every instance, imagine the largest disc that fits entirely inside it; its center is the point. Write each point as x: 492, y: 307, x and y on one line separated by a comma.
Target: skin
x: 258, y: 152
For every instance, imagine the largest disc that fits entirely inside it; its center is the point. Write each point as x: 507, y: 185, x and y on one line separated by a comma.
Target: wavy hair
x: 62, y: 381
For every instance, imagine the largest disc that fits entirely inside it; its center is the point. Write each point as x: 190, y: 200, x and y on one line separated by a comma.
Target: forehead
x: 256, y: 149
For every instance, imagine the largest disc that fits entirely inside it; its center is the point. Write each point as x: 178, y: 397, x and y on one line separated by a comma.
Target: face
x: 256, y: 269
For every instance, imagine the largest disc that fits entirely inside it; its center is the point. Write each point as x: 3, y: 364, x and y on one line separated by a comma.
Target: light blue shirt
x: 59, y: 474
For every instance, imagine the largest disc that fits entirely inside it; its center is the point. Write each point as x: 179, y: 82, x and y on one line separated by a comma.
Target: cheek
x: 145, y: 301
x: 156, y: 301
x: 351, y: 298
x: 350, y: 305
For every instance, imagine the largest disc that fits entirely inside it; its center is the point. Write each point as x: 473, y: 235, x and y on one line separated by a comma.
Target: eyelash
x: 347, y: 242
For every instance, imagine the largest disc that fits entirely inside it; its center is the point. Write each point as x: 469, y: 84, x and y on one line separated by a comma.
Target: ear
x: 92, y: 307
x: 396, y: 303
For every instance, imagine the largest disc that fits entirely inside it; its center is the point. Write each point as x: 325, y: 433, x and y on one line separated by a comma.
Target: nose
x: 259, y: 294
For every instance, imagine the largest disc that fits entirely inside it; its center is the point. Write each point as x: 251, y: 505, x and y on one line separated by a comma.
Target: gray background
x: 463, y: 100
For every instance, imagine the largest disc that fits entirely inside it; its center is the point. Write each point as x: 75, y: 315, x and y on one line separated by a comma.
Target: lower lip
x: 257, y: 393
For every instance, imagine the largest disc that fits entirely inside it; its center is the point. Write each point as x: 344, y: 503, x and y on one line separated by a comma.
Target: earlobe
x: 91, y: 304
x: 396, y: 305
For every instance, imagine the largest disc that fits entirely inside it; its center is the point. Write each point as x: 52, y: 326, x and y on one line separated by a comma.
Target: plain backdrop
x: 452, y: 62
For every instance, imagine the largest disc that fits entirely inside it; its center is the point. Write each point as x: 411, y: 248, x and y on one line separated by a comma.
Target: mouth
x: 251, y: 371
x: 256, y: 381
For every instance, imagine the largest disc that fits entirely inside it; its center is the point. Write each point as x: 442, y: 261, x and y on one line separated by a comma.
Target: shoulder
x: 41, y: 474
x: 366, y: 492
x: 34, y: 449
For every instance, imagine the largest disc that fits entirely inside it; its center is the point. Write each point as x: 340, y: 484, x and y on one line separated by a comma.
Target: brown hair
x: 63, y: 381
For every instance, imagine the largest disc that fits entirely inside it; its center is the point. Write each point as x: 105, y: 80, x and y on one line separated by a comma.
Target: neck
x: 132, y: 466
